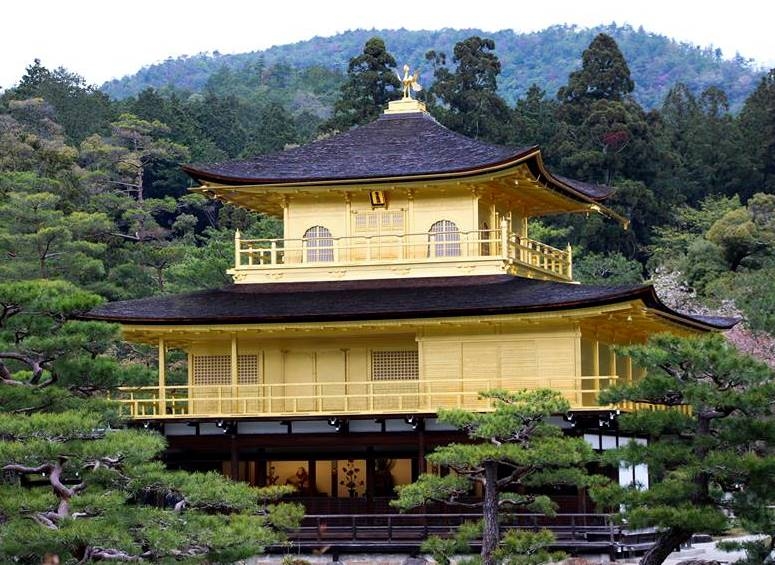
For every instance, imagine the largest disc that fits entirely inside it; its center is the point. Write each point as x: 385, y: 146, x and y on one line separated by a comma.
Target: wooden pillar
x: 612, y: 368
x: 312, y: 476
x: 369, y: 473
x: 335, y: 478
x: 504, y: 238
x: 234, y: 460
x: 286, y: 216
x: 261, y: 464
x: 409, y: 228
x: 234, y: 361
x: 238, y: 249
x: 348, y: 209
x: 596, y: 366
x: 162, y: 408
x: 420, y: 452
x: 476, y: 195
x: 233, y: 405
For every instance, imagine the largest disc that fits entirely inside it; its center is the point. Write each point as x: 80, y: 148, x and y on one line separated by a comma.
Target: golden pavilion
x: 406, y: 280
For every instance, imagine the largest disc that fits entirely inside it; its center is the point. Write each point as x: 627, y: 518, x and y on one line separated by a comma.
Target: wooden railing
x: 391, y: 532
x: 342, y: 397
x: 397, y: 248
x: 541, y: 256
x: 569, y: 529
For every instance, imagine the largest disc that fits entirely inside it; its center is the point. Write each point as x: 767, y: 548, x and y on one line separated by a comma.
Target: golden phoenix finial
x: 409, y: 82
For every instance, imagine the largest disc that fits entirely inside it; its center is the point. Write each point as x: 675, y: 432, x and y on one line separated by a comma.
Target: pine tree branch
x: 24, y: 470
x: 42, y: 519
x: 110, y: 554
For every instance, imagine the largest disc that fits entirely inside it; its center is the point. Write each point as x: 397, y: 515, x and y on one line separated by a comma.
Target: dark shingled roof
x: 380, y: 300
x: 394, y: 145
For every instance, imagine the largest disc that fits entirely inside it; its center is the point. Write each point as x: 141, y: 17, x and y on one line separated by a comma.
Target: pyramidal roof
x: 402, y: 146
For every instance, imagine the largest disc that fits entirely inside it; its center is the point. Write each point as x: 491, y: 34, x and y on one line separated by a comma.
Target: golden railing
x: 541, y: 256
x: 396, y: 248
x: 342, y: 398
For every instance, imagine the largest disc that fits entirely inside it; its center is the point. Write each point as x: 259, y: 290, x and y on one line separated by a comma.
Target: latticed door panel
x: 213, y: 391
x: 395, y: 376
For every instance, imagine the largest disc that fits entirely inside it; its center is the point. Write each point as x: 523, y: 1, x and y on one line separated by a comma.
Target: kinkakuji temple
x: 405, y: 281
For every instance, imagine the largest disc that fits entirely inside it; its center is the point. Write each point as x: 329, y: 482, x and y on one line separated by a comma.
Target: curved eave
x: 702, y: 323
x: 531, y: 157
x: 645, y: 294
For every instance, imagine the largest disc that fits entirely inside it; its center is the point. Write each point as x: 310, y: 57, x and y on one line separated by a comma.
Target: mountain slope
x: 545, y: 58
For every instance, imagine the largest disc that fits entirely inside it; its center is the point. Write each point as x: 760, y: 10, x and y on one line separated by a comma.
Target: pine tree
x: 371, y: 83
x: 604, y: 133
x: 75, y: 481
x: 710, y: 451
x: 757, y: 121
x: 514, y: 446
x: 470, y: 103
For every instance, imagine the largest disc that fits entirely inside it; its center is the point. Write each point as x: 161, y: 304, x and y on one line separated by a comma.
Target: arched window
x: 445, y: 239
x: 319, y: 245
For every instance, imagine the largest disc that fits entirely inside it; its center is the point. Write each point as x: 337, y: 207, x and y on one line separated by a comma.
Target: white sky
x: 106, y: 39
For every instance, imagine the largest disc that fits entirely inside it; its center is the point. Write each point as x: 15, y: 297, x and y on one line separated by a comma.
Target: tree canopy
x: 709, y: 450
x: 512, y: 449
x: 371, y: 83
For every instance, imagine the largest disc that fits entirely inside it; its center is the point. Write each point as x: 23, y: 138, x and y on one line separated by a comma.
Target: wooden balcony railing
x: 539, y: 255
x: 445, y: 246
x: 598, y: 531
x: 278, y: 400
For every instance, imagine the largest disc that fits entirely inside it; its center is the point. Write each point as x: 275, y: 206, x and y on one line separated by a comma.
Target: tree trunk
x: 490, y: 533
x: 667, y: 542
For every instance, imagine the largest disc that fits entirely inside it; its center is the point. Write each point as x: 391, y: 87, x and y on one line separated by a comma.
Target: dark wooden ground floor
x: 345, y: 474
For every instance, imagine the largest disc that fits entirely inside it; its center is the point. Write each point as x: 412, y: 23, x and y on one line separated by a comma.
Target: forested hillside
x: 545, y: 58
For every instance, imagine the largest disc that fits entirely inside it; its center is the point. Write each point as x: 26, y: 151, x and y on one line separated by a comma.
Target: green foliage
x: 745, y: 232
x: 370, y: 85
x: 535, y: 121
x: 604, y: 74
x: 471, y: 105
x: 757, y: 551
x: 516, y: 439
x: 41, y: 343
x: 520, y: 547
x: 605, y: 133
x: 703, y: 463
x: 607, y: 269
x: 545, y: 57
x: 92, y: 492
x: 688, y: 224
x: 80, y: 108
x: 757, y: 124
x: 444, y: 549
x: 755, y: 295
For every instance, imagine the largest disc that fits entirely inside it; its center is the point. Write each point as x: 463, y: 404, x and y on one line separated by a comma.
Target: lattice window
x: 394, y: 365
x: 216, y: 370
x: 248, y: 372
x: 212, y: 369
x: 380, y: 221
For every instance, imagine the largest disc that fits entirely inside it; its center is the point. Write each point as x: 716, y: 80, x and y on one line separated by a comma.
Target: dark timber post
x: 234, y: 460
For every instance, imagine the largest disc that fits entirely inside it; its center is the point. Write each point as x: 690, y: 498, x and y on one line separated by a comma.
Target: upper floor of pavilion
x: 401, y: 196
